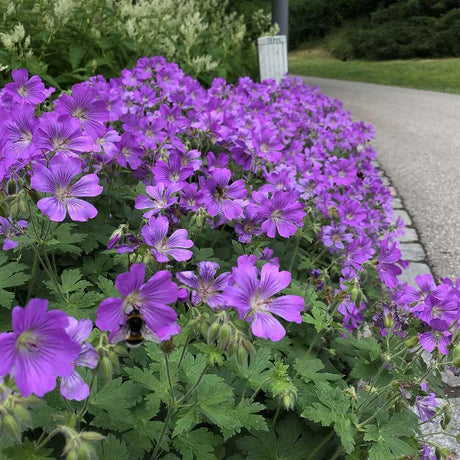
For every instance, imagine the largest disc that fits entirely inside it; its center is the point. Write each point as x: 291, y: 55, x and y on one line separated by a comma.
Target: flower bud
x: 93, y: 436
x: 225, y: 334
x: 411, y: 342
x: 106, y: 367
x: 12, y: 427
x: 204, y: 327
x: 356, y: 295
x: 232, y: 348
x: 22, y: 413
x: 14, y: 210
x: 288, y: 398
x: 248, y: 346
x: 388, y: 321
x: 4, y: 212
x: 242, y: 356
x: 11, y: 186
x: 213, y: 330
x: 113, y: 356
x: 457, y: 356
x: 72, y: 455
x: 85, y: 452
x: 23, y: 205
x: 446, y: 418
x: 168, y: 346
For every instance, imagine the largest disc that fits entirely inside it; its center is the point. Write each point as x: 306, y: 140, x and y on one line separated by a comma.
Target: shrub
x: 243, y: 232
x: 66, y: 41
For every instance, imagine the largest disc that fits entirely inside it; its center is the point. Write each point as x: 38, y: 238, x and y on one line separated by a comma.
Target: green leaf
x: 290, y: 441
x: 367, y: 346
x: 202, y: 254
x: 64, y: 240
x: 11, y: 275
x: 310, y: 368
x: 107, y: 287
x: 111, y: 448
x: 111, y: 404
x: 386, y: 442
x: 333, y: 410
x: 197, y: 444
x: 71, y: 281
x: 317, y: 316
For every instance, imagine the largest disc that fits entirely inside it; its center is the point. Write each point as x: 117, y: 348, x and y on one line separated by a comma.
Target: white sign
x: 272, y: 57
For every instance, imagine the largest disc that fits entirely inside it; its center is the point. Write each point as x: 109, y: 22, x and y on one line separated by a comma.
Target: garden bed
x: 229, y: 244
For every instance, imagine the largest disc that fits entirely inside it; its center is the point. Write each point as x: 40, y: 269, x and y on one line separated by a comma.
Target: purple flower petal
x: 53, y: 208
x: 268, y: 327
x: 80, y: 210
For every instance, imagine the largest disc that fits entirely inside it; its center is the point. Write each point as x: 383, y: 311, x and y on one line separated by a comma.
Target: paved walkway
x: 418, y: 145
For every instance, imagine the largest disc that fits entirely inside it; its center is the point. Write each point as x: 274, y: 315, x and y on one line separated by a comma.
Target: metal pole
x: 280, y: 16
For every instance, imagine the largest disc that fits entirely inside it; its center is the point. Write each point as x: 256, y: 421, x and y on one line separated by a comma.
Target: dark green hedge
x: 401, y: 29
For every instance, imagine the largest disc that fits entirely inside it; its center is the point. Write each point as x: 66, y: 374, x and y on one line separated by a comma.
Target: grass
x: 430, y: 74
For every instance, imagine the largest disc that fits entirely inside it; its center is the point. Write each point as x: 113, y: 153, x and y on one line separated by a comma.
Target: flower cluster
x: 265, y: 162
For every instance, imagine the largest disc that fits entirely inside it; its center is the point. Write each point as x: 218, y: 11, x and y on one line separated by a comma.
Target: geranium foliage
x: 244, y: 233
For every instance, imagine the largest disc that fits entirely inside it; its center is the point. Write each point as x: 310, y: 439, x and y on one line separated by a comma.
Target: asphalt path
x: 417, y: 139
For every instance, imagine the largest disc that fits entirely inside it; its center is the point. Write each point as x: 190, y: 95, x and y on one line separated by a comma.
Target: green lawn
x: 431, y: 74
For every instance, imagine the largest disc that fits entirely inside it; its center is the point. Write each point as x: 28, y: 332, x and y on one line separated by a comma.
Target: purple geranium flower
x: 73, y: 386
x: 206, y: 287
x: 439, y: 336
x: 220, y: 197
x: 426, y: 405
x: 62, y: 137
x: 164, y: 247
x: 150, y: 299
x: 282, y: 213
x: 84, y: 107
x: 39, y: 349
x: 352, y: 317
x: 160, y: 198
x: 389, y: 256
x: 25, y: 90
x: 7, y: 229
x: 253, y: 298
x: 56, y: 180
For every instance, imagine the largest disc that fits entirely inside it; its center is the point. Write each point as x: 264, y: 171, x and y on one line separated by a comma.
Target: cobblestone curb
x: 413, y: 251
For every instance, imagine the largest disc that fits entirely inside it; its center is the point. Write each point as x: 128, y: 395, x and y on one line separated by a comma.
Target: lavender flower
x: 57, y: 181
x: 150, y: 299
x: 254, y: 300
x: 206, y: 287
x: 73, y: 386
x: 24, y: 90
x: 164, y: 247
x: 39, y: 349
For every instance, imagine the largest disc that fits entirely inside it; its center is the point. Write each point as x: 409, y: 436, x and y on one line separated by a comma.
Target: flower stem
x: 319, y: 447
x: 48, y: 438
x: 171, y: 387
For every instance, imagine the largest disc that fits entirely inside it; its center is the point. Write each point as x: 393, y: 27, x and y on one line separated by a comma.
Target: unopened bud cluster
x: 13, y: 412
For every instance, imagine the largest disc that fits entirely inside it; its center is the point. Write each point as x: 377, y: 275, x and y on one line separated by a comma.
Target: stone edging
x: 413, y: 251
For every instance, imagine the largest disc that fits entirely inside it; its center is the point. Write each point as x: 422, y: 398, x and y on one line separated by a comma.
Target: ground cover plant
x: 192, y: 273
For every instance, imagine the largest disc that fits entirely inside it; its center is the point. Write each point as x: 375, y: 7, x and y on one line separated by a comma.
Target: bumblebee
x: 134, y: 331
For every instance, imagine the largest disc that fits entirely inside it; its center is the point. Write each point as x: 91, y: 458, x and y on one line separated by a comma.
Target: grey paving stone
x: 403, y: 214
x: 412, y: 251
x: 385, y: 181
x: 414, y: 269
x: 409, y: 235
x: 397, y: 203
x: 393, y: 191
